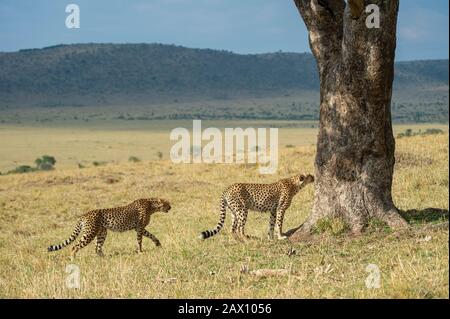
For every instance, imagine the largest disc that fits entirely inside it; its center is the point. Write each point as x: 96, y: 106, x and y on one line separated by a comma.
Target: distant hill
x: 110, y: 73
x: 141, y: 74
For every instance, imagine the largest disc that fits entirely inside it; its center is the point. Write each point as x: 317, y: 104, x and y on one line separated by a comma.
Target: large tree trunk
x: 355, y: 148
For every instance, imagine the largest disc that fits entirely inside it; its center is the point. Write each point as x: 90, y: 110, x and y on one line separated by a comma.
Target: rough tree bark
x: 355, y: 148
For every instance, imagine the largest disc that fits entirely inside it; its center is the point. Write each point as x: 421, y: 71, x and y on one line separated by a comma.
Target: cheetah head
x: 162, y: 205
x: 304, y: 180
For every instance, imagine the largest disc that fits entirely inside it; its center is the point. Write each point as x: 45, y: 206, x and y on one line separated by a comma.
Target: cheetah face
x: 163, y: 205
x: 305, y: 180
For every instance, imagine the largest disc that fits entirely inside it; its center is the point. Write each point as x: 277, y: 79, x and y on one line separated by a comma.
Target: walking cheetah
x: 132, y: 216
x: 275, y: 198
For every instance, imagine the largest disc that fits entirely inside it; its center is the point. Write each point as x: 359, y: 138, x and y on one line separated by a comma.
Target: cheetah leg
x: 139, y: 233
x: 234, y: 222
x: 100, y: 240
x: 152, y: 237
x: 88, y: 235
x: 273, y: 215
x: 234, y: 218
x: 279, y: 224
x: 242, y: 219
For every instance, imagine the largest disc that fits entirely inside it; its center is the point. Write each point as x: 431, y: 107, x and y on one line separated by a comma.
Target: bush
x: 45, y: 163
x: 96, y: 163
x: 22, y: 169
x: 160, y: 155
x: 45, y: 167
x: 133, y: 159
x: 45, y: 159
x: 428, y: 131
x: 433, y: 131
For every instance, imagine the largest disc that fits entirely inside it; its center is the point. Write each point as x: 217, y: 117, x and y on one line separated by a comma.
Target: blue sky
x: 242, y: 26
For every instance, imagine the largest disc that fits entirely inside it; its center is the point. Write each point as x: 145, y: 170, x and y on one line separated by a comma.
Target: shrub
x: 45, y: 167
x: 96, y: 163
x: 428, y: 131
x: 45, y: 163
x: 45, y: 159
x: 433, y: 131
x: 408, y: 132
x: 22, y: 169
x: 160, y: 155
x: 133, y: 159
x: 49, y: 159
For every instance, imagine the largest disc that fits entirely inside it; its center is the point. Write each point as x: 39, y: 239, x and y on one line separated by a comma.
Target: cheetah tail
x: 208, y: 233
x: 72, y: 237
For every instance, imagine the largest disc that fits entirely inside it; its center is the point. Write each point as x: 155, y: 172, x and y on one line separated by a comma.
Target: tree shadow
x: 427, y: 215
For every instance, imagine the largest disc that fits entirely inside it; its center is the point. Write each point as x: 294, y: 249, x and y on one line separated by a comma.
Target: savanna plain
x: 112, y: 163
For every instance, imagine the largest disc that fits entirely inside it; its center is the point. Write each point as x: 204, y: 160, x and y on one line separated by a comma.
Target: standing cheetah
x: 275, y: 198
x: 132, y: 216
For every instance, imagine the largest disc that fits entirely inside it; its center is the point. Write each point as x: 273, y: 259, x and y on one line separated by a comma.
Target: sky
x: 241, y: 26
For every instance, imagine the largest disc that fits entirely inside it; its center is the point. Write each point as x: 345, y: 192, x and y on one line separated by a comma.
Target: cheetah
x: 95, y: 223
x: 275, y: 198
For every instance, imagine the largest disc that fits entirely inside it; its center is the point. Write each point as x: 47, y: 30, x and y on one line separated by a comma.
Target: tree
x: 355, y: 149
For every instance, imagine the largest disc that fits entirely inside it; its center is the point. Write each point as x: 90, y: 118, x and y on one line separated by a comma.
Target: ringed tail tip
x: 204, y: 235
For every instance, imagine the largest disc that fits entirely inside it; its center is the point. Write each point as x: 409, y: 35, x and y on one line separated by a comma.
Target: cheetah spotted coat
x: 274, y: 198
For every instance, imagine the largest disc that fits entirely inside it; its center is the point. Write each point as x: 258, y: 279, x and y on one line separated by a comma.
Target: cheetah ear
x: 302, y: 178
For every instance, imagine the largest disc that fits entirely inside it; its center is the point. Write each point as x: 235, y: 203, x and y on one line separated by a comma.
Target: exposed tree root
x: 305, y: 234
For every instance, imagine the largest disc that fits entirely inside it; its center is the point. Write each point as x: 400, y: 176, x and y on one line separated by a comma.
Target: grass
x: 40, y: 208
x: 74, y: 143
